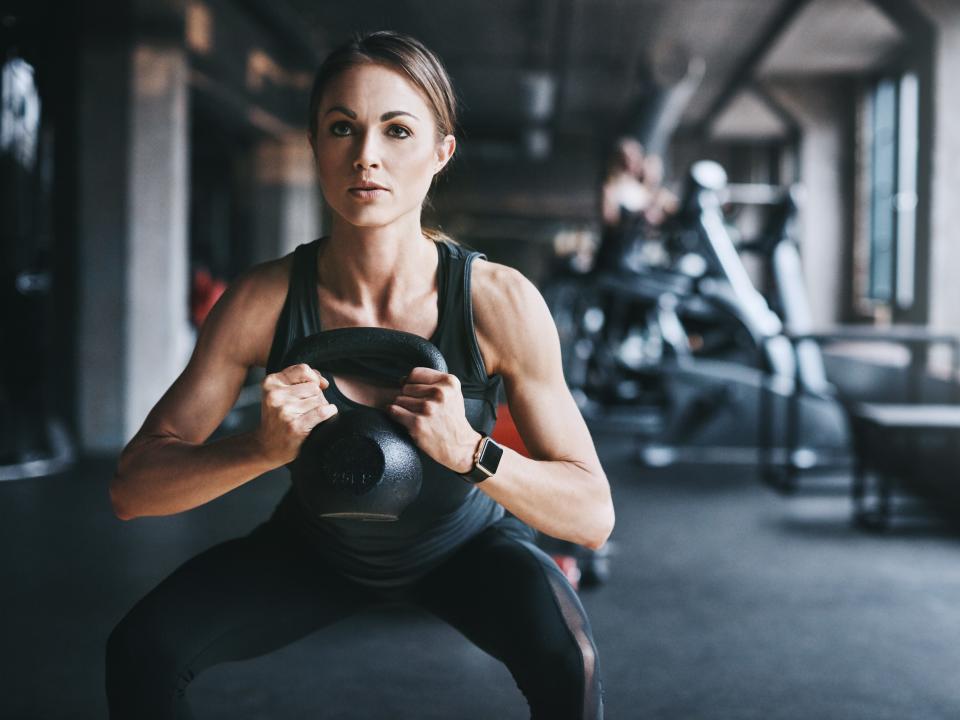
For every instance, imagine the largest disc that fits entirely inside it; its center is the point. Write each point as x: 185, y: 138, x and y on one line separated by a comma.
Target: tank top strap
x: 298, y: 318
x: 455, y: 336
x: 457, y: 339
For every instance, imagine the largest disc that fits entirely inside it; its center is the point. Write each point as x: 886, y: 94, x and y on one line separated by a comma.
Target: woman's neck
x: 376, y: 267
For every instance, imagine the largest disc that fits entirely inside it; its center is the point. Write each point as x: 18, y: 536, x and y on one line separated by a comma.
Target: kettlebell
x: 360, y: 464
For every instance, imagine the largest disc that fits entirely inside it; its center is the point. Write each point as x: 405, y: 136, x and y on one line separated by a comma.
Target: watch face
x: 490, y: 457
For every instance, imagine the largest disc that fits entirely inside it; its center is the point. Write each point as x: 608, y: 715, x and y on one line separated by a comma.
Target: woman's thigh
x: 239, y: 599
x: 510, y: 599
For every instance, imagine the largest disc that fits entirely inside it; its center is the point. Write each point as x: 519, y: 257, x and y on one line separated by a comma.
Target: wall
x: 822, y: 107
x: 944, y: 257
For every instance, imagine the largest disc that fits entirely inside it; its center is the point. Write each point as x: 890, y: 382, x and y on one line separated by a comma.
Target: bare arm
x: 562, y: 490
x: 166, y: 468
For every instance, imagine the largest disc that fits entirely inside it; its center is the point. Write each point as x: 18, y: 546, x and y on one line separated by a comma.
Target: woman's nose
x: 367, y: 153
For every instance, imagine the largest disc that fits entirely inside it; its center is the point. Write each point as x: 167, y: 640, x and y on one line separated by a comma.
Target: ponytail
x: 437, y: 235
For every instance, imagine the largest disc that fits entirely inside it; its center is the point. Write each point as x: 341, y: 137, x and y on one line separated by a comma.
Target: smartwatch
x: 486, y: 461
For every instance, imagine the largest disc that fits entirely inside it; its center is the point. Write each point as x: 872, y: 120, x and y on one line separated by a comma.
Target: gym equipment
x: 851, y: 382
x: 361, y: 464
x: 35, y: 440
x: 681, y: 354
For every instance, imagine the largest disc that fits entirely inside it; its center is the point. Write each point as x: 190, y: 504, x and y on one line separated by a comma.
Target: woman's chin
x: 368, y: 217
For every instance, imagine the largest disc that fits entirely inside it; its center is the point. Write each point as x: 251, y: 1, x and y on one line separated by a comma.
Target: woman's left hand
x: 430, y: 407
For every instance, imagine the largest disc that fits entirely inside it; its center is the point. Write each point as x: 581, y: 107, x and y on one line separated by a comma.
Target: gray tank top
x: 449, y: 510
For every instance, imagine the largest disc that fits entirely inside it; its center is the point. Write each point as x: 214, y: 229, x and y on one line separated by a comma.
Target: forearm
x: 165, y: 475
x: 558, y: 497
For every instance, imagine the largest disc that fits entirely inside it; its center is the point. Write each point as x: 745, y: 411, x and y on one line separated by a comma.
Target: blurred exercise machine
x: 682, y: 352
x: 34, y: 440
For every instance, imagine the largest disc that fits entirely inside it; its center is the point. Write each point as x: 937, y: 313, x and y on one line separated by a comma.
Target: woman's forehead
x: 371, y: 88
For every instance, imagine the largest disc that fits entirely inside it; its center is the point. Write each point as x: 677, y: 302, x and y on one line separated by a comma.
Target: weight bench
x: 908, y: 387
x: 915, y: 445
x: 903, y: 433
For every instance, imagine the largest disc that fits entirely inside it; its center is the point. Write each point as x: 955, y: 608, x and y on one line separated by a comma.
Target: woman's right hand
x: 291, y: 406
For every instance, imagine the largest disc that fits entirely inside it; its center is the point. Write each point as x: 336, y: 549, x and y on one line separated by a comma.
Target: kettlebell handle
x: 350, y: 350
x: 361, y: 464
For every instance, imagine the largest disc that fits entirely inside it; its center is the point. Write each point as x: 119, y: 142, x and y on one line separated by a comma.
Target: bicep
x: 197, y: 401
x: 203, y: 394
x: 545, y: 413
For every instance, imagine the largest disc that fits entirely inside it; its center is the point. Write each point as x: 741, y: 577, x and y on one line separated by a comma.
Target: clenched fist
x: 430, y: 406
x: 291, y: 406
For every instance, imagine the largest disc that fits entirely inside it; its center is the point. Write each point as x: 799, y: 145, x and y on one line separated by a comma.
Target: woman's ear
x: 445, y: 150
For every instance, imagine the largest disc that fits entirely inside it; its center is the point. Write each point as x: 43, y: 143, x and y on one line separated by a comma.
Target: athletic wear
x: 449, y: 510
x: 453, y: 553
x: 252, y: 595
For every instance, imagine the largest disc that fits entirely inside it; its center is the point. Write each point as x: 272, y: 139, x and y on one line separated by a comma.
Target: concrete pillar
x: 133, y: 332
x: 288, y: 204
x: 102, y: 252
x: 158, y: 334
x: 944, y: 256
x: 821, y: 108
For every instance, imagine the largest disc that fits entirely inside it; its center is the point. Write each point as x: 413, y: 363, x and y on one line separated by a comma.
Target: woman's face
x: 377, y: 145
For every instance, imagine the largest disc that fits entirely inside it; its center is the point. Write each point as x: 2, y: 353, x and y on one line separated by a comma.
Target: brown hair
x: 405, y: 54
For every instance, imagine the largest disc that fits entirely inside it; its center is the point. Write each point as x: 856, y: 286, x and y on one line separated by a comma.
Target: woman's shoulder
x: 506, y: 307
x: 263, y: 281
x: 493, y: 278
x: 250, y: 307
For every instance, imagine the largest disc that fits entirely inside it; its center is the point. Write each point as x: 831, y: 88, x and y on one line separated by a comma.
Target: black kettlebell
x: 360, y: 464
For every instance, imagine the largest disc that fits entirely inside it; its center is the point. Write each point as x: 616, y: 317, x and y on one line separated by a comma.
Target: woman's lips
x: 368, y: 192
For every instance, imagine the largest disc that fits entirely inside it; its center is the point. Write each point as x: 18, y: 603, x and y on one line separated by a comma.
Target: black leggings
x: 249, y: 596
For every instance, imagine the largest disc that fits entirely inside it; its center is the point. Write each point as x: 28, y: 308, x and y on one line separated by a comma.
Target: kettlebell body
x: 360, y: 464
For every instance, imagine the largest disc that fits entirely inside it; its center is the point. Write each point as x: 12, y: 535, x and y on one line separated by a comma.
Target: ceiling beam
x: 284, y: 20
x: 743, y: 74
x: 905, y: 15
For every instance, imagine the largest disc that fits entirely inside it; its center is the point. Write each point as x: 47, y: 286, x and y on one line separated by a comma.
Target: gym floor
x: 726, y: 601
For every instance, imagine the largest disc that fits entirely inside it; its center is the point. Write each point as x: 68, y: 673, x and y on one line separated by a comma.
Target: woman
x: 623, y: 199
x: 663, y: 203
x: 381, y: 127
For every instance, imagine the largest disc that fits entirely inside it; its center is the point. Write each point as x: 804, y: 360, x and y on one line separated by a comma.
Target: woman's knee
x: 141, y: 663
x: 569, y: 665
x: 562, y: 683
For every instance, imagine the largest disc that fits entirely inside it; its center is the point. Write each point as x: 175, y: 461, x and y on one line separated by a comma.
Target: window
x: 889, y: 149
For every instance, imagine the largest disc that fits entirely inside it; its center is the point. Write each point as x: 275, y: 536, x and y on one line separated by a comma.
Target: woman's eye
x: 340, y: 129
x: 398, y: 131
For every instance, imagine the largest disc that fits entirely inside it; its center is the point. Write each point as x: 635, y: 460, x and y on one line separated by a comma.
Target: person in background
x: 623, y: 197
x: 662, y: 203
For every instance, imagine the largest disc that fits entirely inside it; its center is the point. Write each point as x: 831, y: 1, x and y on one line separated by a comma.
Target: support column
x: 159, y: 339
x: 287, y: 196
x: 102, y: 248
x: 133, y: 332
x: 944, y: 257
x: 821, y: 108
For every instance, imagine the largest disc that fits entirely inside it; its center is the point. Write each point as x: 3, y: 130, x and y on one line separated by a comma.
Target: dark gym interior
x: 741, y: 215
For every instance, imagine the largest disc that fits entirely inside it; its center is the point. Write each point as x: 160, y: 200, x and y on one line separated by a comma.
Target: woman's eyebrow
x: 383, y: 118
x: 394, y: 113
x: 340, y: 108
